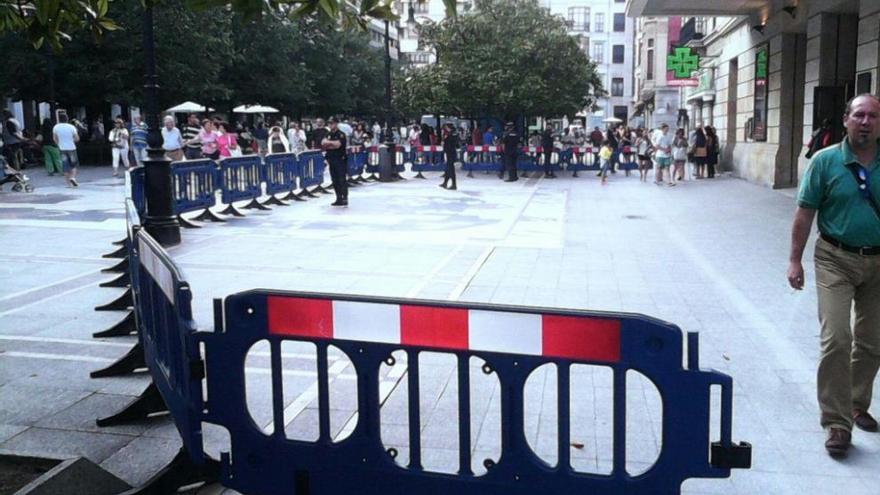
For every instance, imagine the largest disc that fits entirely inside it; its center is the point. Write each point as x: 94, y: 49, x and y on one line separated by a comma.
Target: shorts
x: 69, y: 160
x: 663, y: 161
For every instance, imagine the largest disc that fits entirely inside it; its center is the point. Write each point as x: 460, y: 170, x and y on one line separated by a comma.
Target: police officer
x: 451, y: 144
x: 511, y: 150
x: 334, y: 146
x: 547, y: 145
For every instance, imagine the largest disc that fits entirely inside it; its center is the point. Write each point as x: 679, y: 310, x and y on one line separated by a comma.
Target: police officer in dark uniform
x: 334, y: 144
x: 547, y: 145
x: 451, y: 144
x: 511, y: 150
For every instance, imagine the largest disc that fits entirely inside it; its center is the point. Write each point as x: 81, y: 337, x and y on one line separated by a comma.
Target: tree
x: 508, y: 58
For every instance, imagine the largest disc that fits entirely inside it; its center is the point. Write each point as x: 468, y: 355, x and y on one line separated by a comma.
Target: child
x: 679, y: 156
x: 605, y: 154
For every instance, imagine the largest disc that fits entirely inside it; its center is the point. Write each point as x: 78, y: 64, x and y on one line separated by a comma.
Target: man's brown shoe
x: 838, y: 442
x: 864, y: 420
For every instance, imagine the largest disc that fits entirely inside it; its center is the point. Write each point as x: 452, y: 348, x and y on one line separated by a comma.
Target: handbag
x: 236, y: 151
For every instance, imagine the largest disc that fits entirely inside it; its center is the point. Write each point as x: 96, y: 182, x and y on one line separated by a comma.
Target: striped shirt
x: 189, y: 133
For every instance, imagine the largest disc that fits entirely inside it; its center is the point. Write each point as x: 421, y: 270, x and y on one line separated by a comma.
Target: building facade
x: 605, y: 34
x: 769, y: 72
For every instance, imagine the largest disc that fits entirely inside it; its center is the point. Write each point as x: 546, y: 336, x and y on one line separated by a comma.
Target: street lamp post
x: 160, y: 221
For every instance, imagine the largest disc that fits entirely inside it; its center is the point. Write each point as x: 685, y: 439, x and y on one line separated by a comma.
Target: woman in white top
x: 296, y: 137
x: 277, y: 143
x: 119, y: 145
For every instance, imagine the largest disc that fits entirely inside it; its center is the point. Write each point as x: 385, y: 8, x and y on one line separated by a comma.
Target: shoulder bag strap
x: 861, y: 175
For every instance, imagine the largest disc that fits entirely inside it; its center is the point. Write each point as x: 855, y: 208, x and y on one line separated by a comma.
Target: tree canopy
x: 215, y: 57
x: 506, y: 58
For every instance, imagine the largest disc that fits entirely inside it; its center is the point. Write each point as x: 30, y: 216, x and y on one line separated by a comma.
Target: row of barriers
x: 199, y: 377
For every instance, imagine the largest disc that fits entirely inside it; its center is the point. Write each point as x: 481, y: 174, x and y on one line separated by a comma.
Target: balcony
x: 692, y: 30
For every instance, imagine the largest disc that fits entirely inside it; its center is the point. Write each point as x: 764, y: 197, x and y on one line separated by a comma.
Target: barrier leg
x: 209, y: 216
x: 120, y: 267
x: 321, y: 189
x: 255, y: 205
x: 292, y: 196
x: 121, y: 303
x: 119, y: 253
x: 186, y: 223
x: 180, y: 472
x: 230, y: 210
x: 131, y: 361
x: 118, y: 282
x: 149, y: 402
x: 307, y: 193
x: 274, y: 201
x: 121, y: 242
x: 125, y: 327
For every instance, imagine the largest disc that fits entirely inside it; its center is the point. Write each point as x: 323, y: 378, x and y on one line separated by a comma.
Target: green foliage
x: 52, y: 21
x: 508, y: 58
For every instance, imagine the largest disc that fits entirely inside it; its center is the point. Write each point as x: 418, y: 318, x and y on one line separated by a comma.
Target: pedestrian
x: 207, y: 138
x: 511, y: 151
x: 227, y: 142
x: 277, y: 142
x: 139, y: 135
x: 842, y: 184
x: 821, y: 138
x: 596, y: 137
x: 318, y: 135
x: 679, y: 156
x: 66, y: 135
x: 451, y: 144
x: 712, y: 149
x: 296, y: 137
x: 606, y: 152
x: 13, y: 140
x: 193, y: 148
x: 261, y: 136
x: 613, y: 140
x: 119, y: 145
x: 172, y: 141
x: 489, y: 136
x: 97, y: 133
x: 425, y: 135
x: 700, y: 152
x: 51, y: 155
x: 358, y: 136
x: 547, y: 145
x: 662, y: 151
x: 477, y: 136
x: 377, y: 132
x: 334, y: 145
x: 644, y: 149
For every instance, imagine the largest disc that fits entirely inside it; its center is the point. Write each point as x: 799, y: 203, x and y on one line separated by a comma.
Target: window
x: 617, y: 86
x: 650, y: 42
x: 600, y: 23
x: 579, y: 18
x: 621, y: 112
x: 650, y: 75
x: 619, y: 22
x: 420, y: 7
x: 598, y: 54
x: 617, y: 54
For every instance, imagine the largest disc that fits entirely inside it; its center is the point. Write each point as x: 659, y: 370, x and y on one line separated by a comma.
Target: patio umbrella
x: 612, y: 120
x: 254, y: 109
x: 189, y: 107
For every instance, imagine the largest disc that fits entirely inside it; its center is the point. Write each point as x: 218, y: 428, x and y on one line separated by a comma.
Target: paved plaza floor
x: 709, y: 256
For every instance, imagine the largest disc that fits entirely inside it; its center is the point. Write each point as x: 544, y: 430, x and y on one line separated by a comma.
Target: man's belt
x: 864, y: 251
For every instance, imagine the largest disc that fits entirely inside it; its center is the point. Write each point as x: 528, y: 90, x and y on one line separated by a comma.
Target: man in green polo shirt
x: 842, y: 184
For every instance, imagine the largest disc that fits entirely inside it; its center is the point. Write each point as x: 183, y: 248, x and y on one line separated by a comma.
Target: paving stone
x: 130, y: 463
x: 44, y: 442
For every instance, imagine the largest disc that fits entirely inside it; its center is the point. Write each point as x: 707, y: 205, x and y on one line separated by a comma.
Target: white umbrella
x: 254, y: 109
x: 189, y: 107
x: 612, y: 120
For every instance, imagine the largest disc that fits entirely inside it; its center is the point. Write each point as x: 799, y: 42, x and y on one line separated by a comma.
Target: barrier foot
x: 419, y: 175
x: 470, y: 174
x: 307, y: 193
x: 180, y: 472
x: 118, y: 282
x: 373, y: 177
x: 121, y: 303
x: 186, y: 223
x: 353, y: 183
x: 274, y: 201
x: 132, y: 360
x: 733, y: 456
x: 292, y: 196
x: 119, y: 253
x: 322, y: 189
x: 125, y: 327
x: 149, y: 402
x: 255, y: 205
x: 209, y: 216
x: 121, y: 267
x: 121, y: 242
x: 230, y: 210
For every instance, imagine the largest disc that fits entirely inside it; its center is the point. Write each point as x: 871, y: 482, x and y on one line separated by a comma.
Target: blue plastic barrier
x: 136, y: 183
x: 401, y: 158
x: 627, y: 159
x: 241, y: 179
x: 163, y: 306
x: 582, y: 159
x: 481, y: 158
x: 356, y: 160
x: 279, y: 173
x: 311, y: 169
x: 531, y: 159
x: 428, y: 159
x: 194, y: 184
x: 270, y: 463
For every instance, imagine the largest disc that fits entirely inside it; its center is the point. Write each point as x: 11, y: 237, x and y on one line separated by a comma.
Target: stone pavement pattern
x: 709, y: 256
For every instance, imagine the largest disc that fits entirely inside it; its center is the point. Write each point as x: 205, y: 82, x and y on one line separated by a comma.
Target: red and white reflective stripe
x: 355, y: 149
x: 582, y: 149
x: 572, y: 337
x: 156, y: 268
x: 429, y: 148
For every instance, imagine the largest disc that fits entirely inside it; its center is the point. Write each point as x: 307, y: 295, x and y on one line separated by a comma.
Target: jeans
x: 69, y: 160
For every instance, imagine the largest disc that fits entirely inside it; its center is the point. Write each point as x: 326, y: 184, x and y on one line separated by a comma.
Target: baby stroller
x: 18, y: 180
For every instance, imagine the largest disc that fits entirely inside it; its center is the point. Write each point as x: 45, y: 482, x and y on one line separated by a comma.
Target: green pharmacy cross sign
x: 682, y: 62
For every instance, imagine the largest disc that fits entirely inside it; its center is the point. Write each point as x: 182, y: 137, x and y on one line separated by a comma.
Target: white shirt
x: 171, y: 139
x: 662, y: 143
x: 297, y: 139
x: 346, y: 129
x: 66, y: 134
